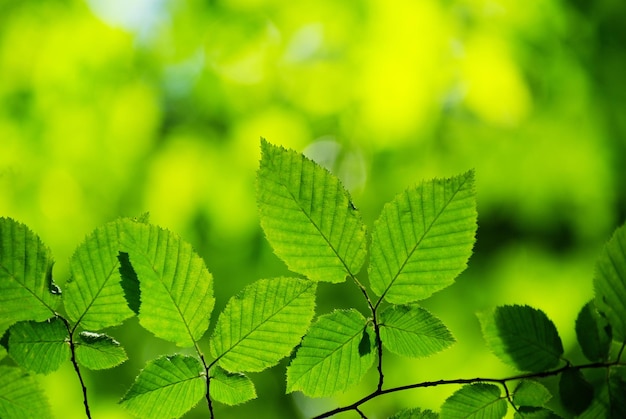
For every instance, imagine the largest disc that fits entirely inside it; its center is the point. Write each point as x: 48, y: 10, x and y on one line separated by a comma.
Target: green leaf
x: 94, y: 297
x: 263, y: 324
x: 523, y: 337
x: 334, y: 355
x: 20, y: 395
x: 594, y: 333
x: 307, y: 216
x: 529, y: 412
x: 231, y: 388
x: 610, y: 283
x: 27, y: 291
x: 410, y: 330
x: 98, y: 351
x: 176, y: 287
x: 531, y: 393
x: 39, y: 347
x: 617, y: 392
x: 415, y: 413
x: 475, y: 401
x: 423, y: 239
x: 167, y: 387
x: 575, y: 391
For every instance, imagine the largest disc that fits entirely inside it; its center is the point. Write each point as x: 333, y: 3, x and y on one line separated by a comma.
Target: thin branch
x: 71, y: 332
x: 208, y: 378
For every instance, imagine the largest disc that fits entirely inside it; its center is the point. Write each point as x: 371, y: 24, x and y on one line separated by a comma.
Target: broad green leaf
x: 307, y: 216
x: 3, y: 353
x: 575, y: 391
x: 263, y: 324
x: 475, y: 401
x: 529, y: 412
x: 39, y: 347
x: 335, y: 354
x: 523, y: 337
x: 423, y: 239
x: 610, y: 283
x: 167, y: 387
x: 176, y: 287
x: 410, y: 330
x: 531, y: 393
x: 98, y: 351
x: 617, y: 392
x: 20, y: 395
x: 415, y: 413
x: 593, y: 333
x: 94, y: 297
x: 27, y: 291
x: 231, y: 388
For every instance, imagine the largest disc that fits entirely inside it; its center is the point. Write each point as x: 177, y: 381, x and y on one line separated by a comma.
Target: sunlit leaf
x: 307, y: 216
x: 410, y: 330
x: 39, y: 347
x: 167, y: 387
x: 523, y: 337
x: 176, y: 287
x: 415, y: 413
x: 263, y: 324
x: 20, y: 395
x: 594, y: 333
x: 575, y: 391
x: 531, y: 393
x: 94, y: 297
x: 529, y: 412
x: 98, y: 351
x: 27, y: 291
x: 475, y: 401
x: 423, y: 239
x: 231, y: 388
x: 335, y: 354
x: 610, y: 283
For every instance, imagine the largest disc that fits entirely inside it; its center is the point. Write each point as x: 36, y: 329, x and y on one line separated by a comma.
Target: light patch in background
x: 305, y: 43
x: 141, y: 17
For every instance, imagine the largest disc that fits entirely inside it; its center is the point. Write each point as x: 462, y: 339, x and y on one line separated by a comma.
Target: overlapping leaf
x: 575, y: 391
x: 231, y: 388
x: 531, y: 393
x: 334, y: 355
x: 523, y: 337
x: 529, y: 412
x: 594, y: 333
x: 307, y: 216
x: 475, y: 401
x: 410, y: 330
x: 167, y: 387
x: 20, y: 395
x: 27, y: 291
x: 415, y: 413
x: 263, y: 324
x: 176, y: 287
x: 423, y: 239
x: 39, y: 347
x: 98, y: 351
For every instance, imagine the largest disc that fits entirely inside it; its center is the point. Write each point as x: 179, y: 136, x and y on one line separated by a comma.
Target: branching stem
x: 71, y: 332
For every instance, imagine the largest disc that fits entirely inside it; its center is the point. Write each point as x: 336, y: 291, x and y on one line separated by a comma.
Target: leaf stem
x: 71, y: 332
x: 208, y: 378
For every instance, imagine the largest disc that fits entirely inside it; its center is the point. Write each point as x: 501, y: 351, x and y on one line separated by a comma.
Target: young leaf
x: 575, y: 391
x: 415, y: 413
x: 20, y: 395
x: 529, y: 412
x: 167, y: 387
x: 307, y: 216
x: 523, y: 337
x: 231, y: 388
x: 475, y: 401
x: 531, y: 393
x: 610, y: 283
x: 94, y: 297
x: 334, y: 355
x: 98, y: 351
x: 39, y: 347
x: 423, y: 239
x: 262, y: 324
x: 27, y: 291
x: 176, y: 287
x: 410, y: 330
x: 593, y: 333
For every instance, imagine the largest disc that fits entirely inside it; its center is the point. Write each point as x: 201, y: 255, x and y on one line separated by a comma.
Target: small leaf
x: 594, y: 333
x: 27, y: 291
x: 331, y: 357
x: 415, y: 413
x: 423, y: 239
x: 39, y: 347
x: 263, y: 324
x: 523, y: 337
x: 609, y: 283
x: 475, y: 401
x: 531, y: 393
x: 20, y: 395
x: 308, y: 217
x: 575, y: 391
x: 410, y: 330
x: 231, y: 388
x: 529, y: 412
x: 98, y: 351
x: 176, y: 287
x: 167, y: 387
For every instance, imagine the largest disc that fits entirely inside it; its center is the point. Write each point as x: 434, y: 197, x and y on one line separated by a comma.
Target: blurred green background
x: 113, y: 108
